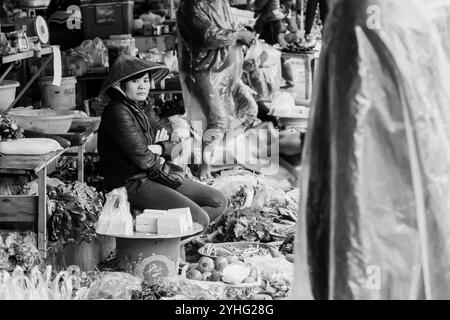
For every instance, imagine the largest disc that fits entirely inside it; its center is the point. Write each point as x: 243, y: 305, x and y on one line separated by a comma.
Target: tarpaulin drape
x: 375, y: 200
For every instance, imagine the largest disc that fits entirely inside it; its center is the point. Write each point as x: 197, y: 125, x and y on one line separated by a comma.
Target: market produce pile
x: 223, y: 268
x: 9, y: 129
x: 74, y: 209
x: 230, y: 250
x: 67, y: 170
x: 19, y: 250
x: 287, y: 247
x: 261, y: 214
x: 255, y: 204
x: 36, y: 281
x: 298, y: 47
x: 260, y: 269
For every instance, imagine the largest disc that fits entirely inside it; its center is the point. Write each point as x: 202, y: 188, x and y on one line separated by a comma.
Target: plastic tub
x: 44, y: 121
x: 149, y: 256
x: 58, y: 98
x: 7, y: 93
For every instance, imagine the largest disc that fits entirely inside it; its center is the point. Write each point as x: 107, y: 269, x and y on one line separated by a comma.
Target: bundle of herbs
x: 242, y: 225
x: 74, y: 210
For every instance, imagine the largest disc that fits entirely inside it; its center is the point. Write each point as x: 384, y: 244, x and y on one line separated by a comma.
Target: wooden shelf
x: 152, y: 92
x: 6, y: 24
x: 92, y: 77
x: 155, y: 36
x: 34, y: 163
x: 25, y: 55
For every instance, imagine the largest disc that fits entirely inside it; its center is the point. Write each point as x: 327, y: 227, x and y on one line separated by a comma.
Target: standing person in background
x: 311, y: 9
x: 290, y: 20
x: 269, y: 21
x: 211, y: 58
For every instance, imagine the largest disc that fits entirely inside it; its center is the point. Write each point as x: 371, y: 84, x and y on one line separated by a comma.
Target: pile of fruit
x: 226, y: 269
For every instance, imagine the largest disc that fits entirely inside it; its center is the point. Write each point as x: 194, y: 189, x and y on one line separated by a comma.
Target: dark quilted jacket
x: 126, y: 130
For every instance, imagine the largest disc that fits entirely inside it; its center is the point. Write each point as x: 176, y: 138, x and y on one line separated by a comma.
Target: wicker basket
x: 97, y: 105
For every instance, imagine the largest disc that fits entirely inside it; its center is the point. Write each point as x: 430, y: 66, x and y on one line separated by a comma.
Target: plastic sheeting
x: 210, y: 63
x: 262, y: 70
x: 374, y: 221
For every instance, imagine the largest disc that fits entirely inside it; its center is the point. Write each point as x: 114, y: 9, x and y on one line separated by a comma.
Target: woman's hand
x: 156, y: 149
x: 245, y: 37
x: 161, y: 135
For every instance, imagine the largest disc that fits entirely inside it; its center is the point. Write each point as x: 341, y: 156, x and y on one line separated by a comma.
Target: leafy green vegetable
x: 74, y: 210
x: 243, y: 225
x: 68, y: 171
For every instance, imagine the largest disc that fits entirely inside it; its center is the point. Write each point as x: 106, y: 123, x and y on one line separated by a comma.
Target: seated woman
x: 135, y: 151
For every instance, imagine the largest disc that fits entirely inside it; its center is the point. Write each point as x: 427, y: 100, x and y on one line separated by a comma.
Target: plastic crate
x: 104, y: 18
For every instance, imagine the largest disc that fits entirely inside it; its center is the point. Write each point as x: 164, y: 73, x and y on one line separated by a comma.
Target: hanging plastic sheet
x: 439, y: 13
x: 374, y: 220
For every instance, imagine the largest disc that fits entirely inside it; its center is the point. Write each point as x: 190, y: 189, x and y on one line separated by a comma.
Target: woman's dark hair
x: 133, y: 77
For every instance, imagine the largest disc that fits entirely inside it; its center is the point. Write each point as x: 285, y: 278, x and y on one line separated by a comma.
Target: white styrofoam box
x: 186, y: 212
x: 171, y: 224
x: 148, y: 220
x: 147, y: 228
x: 151, y: 211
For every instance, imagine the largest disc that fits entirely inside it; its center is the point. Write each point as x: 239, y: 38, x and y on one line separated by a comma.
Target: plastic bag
x: 256, y: 149
x: 273, y: 268
x: 4, y: 254
x: 96, y: 50
x: 283, y: 105
x: 262, y: 69
x: 115, y: 218
x: 186, y: 289
x: 35, y: 286
x: 75, y: 62
x: 29, y: 146
x: 152, y: 19
x: 114, y: 285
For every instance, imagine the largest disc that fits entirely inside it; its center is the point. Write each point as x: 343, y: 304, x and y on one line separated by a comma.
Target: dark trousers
x: 270, y: 31
x: 311, y: 8
x: 206, y: 203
